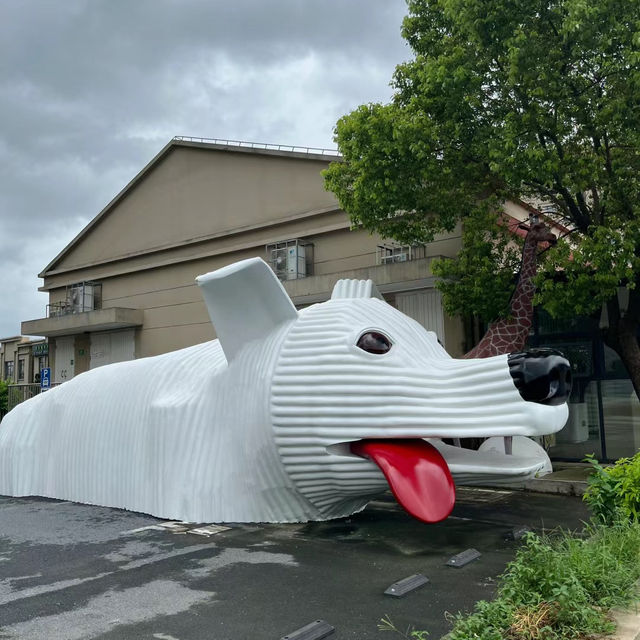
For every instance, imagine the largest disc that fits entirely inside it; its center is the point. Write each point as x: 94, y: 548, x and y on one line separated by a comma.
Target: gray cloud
x: 91, y: 90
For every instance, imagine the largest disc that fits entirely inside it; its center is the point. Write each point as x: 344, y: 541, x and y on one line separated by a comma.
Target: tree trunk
x: 629, y: 351
x: 622, y: 336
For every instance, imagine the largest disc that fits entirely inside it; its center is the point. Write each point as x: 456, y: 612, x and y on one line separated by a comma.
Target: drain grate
x: 404, y: 586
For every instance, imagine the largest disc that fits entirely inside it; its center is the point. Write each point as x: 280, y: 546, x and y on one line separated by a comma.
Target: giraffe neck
x: 510, y: 335
x: 522, y: 299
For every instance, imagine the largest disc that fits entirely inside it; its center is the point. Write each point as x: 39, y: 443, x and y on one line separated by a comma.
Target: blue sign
x: 45, y: 378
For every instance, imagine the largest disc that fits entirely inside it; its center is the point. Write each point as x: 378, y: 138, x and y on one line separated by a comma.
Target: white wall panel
x: 64, y: 365
x: 112, y: 346
x: 425, y: 306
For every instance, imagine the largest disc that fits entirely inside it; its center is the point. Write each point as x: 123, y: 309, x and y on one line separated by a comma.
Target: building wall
x: 10, y: 354
x: 198, y: 209
x: 175, y: 315
x: 20, y: 348
x: 194, y: 193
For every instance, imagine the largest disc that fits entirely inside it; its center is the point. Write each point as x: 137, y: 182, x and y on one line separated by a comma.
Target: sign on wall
x: 41, y: 349
x: 45, y: 378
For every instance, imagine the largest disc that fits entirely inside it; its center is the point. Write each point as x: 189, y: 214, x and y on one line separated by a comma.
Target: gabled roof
x: 236, y: 146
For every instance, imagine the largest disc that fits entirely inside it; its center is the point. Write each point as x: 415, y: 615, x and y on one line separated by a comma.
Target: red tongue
x: 417, y: 474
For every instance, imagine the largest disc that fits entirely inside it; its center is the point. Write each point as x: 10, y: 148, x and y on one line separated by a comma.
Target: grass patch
x: 560, y: 586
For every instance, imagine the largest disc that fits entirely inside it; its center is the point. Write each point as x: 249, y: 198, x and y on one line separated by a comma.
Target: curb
x: 540, y: 485
x: 628, y: 624
x: 563, y: 487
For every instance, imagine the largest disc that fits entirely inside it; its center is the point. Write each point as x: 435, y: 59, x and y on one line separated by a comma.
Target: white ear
x: 245, y: 301
x: 355, y: 289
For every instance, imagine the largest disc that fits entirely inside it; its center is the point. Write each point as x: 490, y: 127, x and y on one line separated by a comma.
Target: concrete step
x: 567, y: 480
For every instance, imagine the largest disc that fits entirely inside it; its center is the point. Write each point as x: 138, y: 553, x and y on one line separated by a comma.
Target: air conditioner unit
x: 296, y: 262
x: 288, y: 258
x: 279, y: 262
x: 81, y: 298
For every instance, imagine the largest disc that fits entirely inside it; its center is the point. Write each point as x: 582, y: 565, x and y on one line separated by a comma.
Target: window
x: 8, y: 370
x: 21, y: 369
x: 39, y: 364
x: 393, y: 252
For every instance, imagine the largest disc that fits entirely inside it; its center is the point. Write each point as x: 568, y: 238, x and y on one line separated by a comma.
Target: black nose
x: 541, y: 375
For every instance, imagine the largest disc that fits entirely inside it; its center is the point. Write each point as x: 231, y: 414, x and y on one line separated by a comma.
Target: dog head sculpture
x: 356, y: 385
x: 289, y: 416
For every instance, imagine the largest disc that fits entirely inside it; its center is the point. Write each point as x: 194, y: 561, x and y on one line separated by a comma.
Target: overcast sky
x: 91, y: 90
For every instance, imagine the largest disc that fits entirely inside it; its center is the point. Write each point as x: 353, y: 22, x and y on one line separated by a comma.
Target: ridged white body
x: 188, y: 435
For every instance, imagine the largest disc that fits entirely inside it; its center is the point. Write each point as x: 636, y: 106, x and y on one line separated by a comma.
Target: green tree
x: 512, y: 99
x: 4, y: 395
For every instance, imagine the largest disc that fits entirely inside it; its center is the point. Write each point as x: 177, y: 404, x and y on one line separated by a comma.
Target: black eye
x: 374, y: 342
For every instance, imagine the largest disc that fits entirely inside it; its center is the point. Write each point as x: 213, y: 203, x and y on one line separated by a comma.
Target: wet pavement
x: 73, y: 572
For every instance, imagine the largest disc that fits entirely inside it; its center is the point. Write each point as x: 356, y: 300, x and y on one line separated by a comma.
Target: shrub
x: 4, y: 396
x: 614, y: 492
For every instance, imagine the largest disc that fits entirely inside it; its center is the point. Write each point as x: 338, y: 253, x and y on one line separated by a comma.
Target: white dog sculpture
x: 260, y: 425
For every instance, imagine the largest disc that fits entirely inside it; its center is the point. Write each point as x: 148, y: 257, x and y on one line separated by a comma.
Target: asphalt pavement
x: 74, y: 572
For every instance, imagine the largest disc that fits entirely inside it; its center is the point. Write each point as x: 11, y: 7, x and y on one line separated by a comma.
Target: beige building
x: 22, y: 359
x: 9, y: 356
x: 124, y: 287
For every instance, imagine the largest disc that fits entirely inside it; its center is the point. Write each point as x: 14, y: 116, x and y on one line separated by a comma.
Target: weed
x: 614, y: 492
x: 385, y: 624
x: 490, y: 620
x: 534, y: 622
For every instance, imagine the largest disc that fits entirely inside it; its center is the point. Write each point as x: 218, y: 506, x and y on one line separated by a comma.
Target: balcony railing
x: 392, y: 252
x: 80, y: 297
x: 260, y: 145
x: 20, y: 392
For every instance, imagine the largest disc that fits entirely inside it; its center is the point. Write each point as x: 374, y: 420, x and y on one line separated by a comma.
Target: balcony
x: 79, y: 297
x: 80, y: 312
x: 392, y: 252
x: 85, y: 321
x: 391, y: 275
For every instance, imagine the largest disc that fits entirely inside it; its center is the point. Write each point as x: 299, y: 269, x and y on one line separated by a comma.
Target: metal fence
x: 260, y: 145
x: 20, y: 392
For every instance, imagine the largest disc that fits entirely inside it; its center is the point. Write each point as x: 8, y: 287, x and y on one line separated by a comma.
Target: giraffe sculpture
x: 509, y: 335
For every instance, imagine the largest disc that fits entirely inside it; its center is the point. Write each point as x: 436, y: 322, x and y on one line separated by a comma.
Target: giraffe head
x: 539, y: 232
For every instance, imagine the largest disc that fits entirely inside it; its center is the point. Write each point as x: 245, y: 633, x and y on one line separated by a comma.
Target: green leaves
x: 396, y: 179
x: 614, y: 492
x: 4, y: 395
x: 578, y: 279
x: 482, y: 276
x: 507, y: 100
